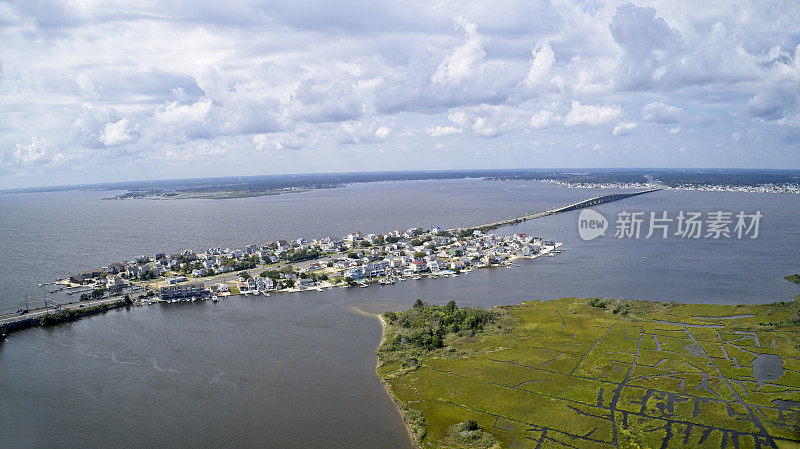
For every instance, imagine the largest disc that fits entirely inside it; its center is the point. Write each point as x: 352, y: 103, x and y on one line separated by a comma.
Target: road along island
x: 596, y: 373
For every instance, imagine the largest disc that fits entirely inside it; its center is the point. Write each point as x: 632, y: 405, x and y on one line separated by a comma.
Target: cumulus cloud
x: 541, y: 62
x: 543, y: 119
x: 661, y: 113
x: 623, y: 128
x: 647, y: 43
x: 313, y: 101
x: 192, y: 120
x: 487, y: 121
x: 593, y: 115
x: 39, y: 152
x: 115, y: 133
x: 465, y: 59
x: 382, y: 132
x: 437, y: 131
x: 464, y: 76
x: 280, y: 141
x: 247, y: 78
x: 779, y: 100
x: 361, y: 133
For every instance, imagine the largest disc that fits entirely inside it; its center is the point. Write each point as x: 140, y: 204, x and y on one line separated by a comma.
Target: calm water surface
x: 297, y: 370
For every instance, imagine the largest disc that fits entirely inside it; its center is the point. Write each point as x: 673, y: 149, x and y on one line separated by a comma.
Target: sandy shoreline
x: 410, y: 434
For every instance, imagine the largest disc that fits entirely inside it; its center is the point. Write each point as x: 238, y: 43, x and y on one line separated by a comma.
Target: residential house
x: 305, y: 283
x: 114, y: 283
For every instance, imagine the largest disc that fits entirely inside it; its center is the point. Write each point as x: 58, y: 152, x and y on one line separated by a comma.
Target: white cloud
x: 541, y: 61
x: 543, y: 119
x: 594, y: 115
x: 193, y: 120
x: 465, y: 59
x: 487, y: 121
x: 330, y: 102
x: 382, y: 132
x: 437, y: 131
x: 247, y: 77
x: 115, y: 133
x: 279, y: 141
x: 661, y: 113
x: 623, y: 128
x: 485, y: 128
x: 39, y: 152
x: 360, y: 132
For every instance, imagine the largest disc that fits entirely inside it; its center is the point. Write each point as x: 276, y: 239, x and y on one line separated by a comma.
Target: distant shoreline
x: 258, y: 185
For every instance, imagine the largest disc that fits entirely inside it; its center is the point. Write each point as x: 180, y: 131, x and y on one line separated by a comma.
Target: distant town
x: 355, y: 260
x: 764, y: 188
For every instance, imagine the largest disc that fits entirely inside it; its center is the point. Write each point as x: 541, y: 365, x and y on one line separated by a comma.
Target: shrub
x: 597, y: 303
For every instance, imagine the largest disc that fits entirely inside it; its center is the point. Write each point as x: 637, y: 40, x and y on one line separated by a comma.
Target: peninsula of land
x: 596, y: 373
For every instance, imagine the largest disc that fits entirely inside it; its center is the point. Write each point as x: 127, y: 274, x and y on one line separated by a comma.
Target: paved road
x: 14, y: 317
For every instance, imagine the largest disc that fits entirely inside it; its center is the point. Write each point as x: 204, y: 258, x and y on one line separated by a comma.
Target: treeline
x: 427, y: 326
x: 73, y: 314
x: 300, y: 254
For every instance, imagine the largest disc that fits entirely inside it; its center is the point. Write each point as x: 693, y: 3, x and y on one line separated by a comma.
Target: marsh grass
x: 555, y: 365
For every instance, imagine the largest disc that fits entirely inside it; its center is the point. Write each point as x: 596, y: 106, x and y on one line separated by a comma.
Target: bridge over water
x: 579, y: 205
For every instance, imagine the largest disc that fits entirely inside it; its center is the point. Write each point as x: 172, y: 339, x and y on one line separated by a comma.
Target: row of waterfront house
x: 355, y: 257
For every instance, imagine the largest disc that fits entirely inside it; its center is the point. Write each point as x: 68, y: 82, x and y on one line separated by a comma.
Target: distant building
x: 305, y: 283
x: 182, y: 292
x: 175, y: 279
x: 114, y: 283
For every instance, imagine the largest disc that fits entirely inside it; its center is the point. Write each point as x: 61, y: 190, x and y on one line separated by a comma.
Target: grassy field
x: 599, y: 373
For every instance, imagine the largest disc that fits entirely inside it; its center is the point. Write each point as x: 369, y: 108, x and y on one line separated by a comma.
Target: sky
x: 95, y: 91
